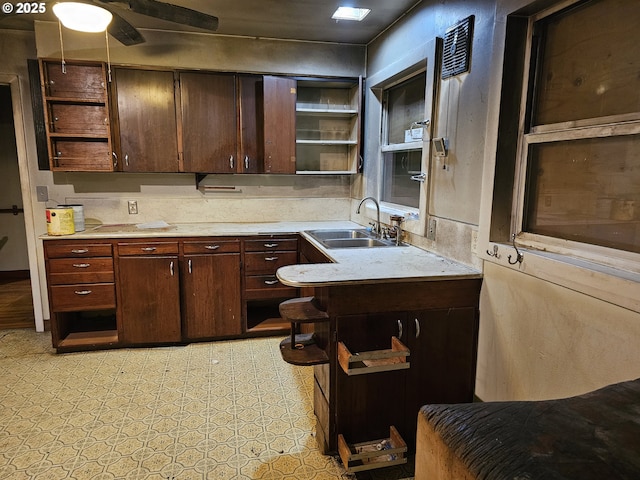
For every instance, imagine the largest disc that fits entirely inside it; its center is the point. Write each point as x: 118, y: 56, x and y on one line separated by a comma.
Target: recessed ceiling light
x: 350, y: 13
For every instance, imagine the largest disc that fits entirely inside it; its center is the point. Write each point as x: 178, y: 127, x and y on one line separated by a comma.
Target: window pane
x: 590, y: 62
x: 398, y: 169
x: 587, y: 191
x: 405, y: 105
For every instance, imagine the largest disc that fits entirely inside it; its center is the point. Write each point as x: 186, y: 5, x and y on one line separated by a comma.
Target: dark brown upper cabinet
x: 76, y: 112
x: 209, y: 122
x: 144, y: 109
x: 279, y: 106
x: 250, y: 132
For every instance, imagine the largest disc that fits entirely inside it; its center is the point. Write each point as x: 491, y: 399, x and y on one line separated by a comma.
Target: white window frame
x: 627, y: 124
x: 418, y: 145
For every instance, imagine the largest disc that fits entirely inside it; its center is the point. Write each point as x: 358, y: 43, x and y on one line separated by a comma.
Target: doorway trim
x: 13, y: 81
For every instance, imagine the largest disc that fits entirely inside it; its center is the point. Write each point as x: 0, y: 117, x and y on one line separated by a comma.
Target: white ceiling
x: 288, y: 19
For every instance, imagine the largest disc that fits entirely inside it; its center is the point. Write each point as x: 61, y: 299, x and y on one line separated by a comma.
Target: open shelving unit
x: 328, y: 126
x: 76, y: 111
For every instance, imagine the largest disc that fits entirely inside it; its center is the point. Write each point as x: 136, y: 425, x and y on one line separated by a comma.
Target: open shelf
x: 374, y: 361
x: 381, y: 453
x: 87, y: 329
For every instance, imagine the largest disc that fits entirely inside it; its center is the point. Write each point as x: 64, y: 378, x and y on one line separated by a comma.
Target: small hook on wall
x: 495, y: 253
x: 519, y: 256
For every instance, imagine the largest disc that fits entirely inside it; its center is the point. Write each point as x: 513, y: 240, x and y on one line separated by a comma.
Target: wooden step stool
x: 301, y: 349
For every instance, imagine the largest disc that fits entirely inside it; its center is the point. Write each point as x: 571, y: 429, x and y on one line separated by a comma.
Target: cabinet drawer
x: 79, y: 119
x: 72, y: 250
x: 88, y: 270
x: 69, y: 298
x: 267, y: 286
x: 212, y: 246
x: 149, y: 248
x: 269, y: 244
x: 268, y: 262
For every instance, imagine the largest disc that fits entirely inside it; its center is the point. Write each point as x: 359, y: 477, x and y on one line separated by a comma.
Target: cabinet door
x: 209, y: 122
x: 211, y: 296
x: 279, y: 125
x: 443, y: 345
x: 146, y: 119
x: 251, y: 140
x: 367, y: 404
x: 149, y: 294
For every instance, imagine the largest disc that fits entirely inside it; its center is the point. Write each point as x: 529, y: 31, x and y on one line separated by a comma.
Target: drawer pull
x: 417, y: 327
x: 399, y: 329
x: 270, y: 259
x: 171, y: 268
x: 82, y: 292
x: 80, y: 250
x: 271, y: 282
x: 189, y: 263
x: 149, y: 249
x: 81, y: 265
x: 212, y: 247
x: 271, y: 245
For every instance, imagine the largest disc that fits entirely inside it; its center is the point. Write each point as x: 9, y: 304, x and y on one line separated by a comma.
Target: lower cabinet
x: 149, y: 292
x: 211, y: 290
x: 82, y: 295
x: 392, y: 348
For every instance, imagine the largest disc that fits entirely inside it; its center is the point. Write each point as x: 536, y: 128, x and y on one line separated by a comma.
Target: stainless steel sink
x: 321, y: 235
x: 356, y: 243
x: 349, y: 238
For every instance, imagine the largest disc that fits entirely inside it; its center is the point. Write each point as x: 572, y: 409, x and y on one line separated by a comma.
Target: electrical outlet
x: 42, y: 192
x: 474, y: 241
x: 431, y: 231
x: 133, y: 207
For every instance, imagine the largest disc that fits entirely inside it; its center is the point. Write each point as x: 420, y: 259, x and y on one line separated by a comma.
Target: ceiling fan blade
x: 123, y: 31
x: 174, y: 13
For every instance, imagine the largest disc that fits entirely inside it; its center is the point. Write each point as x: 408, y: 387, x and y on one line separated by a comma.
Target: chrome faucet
x: 377, y: 229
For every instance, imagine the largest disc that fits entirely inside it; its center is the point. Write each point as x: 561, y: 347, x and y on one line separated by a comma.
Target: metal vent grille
x: 456, y: 53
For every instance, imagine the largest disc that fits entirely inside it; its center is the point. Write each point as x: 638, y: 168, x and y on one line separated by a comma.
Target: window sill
x: 609, y: 284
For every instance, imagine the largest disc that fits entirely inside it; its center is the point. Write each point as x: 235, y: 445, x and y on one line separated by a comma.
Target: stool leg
x: 293, y: 335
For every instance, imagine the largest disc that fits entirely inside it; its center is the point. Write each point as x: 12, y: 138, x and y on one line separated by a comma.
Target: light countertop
x: 352, y: 265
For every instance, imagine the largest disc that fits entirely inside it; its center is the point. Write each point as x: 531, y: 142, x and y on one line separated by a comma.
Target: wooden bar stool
x: 301, y: 349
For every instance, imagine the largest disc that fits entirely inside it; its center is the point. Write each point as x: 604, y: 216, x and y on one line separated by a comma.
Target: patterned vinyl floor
x: 221, y: 410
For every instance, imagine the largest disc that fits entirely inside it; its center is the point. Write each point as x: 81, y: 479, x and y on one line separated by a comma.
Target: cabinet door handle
x: 82, y: 292
x: 81, y: 265
x: 271, y: 282
x: 246, y: 161
x: 126, y: 159
x: 212, y: 247
x: 189, y: 264
x: 231, y: 164
x: 171, y: 268
x: 148, y: 249
x: 270, y: 245
x: 79, y: 251
x: 399, y: 329
x: 115, y: 159
x: 270, y: 259
x: 417, y: 327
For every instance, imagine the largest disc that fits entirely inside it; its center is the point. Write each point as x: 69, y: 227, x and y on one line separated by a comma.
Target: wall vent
x: 456, y: 53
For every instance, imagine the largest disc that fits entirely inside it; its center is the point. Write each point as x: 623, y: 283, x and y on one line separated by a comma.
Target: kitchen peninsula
x: 412, y: 317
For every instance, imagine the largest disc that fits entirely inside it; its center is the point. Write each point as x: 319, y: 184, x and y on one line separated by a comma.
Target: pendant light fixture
x: 82, y: 17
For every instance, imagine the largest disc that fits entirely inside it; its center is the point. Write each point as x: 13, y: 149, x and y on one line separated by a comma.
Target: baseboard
x: 14, y: 275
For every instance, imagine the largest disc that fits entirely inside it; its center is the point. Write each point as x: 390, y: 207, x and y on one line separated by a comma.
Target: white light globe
x: 82, y: 16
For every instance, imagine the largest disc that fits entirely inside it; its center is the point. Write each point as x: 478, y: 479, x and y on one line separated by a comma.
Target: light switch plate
x: 42, y: 192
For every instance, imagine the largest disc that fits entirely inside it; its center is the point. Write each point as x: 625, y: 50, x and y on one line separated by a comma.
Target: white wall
x: 549, y: 327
